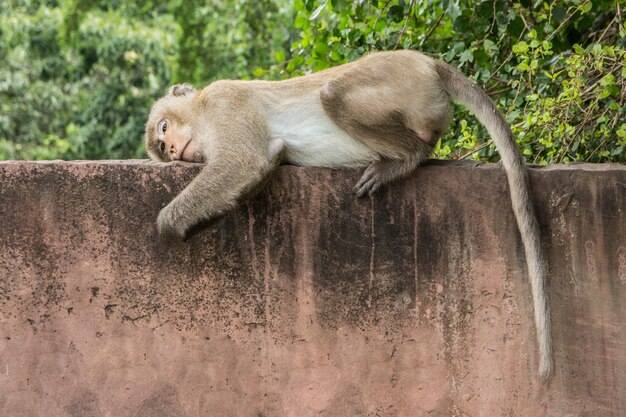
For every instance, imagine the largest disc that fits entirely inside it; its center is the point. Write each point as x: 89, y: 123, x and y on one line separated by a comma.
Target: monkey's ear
x: 181, y: 90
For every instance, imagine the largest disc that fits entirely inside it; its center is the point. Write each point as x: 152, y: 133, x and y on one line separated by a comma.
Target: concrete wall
x: 306, y: 301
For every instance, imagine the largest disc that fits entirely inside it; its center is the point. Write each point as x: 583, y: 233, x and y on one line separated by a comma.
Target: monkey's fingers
x: 385, y: 171
x: 171, y: 237
x: 368, y: 189
x: 168, y: 229
x: 369, y: 183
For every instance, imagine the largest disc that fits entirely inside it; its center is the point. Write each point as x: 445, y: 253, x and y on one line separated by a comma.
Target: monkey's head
x: 170, y: 131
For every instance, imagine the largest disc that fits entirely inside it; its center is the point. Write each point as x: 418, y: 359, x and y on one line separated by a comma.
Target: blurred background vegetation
x: 77, y: 77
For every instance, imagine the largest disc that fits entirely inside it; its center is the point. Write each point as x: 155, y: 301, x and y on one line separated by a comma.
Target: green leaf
x: 317, y: 11
x: 280, y: 56
x: 607, y: 80
x: 516, y: 27
x: 300, y: 22
x: 396, y: 13
x: 461, y: 24
x: 547, y: 46
x: 597, y: 49
x: 452, y: 10
x: 340, y: 5
x: 490, y: 47
x: 467, y: 56
x: 609, y: 91
x: 520, y: 47
x: 449, y: 56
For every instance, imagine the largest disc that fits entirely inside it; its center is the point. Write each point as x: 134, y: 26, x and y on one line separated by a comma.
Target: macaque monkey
x: 385, y: 111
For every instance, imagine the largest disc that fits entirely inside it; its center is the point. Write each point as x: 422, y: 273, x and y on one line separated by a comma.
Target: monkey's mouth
x: 182, y: 153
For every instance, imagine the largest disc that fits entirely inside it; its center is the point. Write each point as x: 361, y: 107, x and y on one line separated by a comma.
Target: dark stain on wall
x: 305, y: 300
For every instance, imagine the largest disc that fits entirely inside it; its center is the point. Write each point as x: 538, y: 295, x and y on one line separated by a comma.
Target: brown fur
x: 386, y: 110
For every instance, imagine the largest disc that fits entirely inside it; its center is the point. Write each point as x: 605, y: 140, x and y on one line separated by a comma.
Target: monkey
x: 384, y: 111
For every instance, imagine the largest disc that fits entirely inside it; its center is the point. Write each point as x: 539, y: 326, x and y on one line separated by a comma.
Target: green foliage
x: 77, y: 77
x: 555, y: 69
x: 228, y: 39
x: 80, y: 94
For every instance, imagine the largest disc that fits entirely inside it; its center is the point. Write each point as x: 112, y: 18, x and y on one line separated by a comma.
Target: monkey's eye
x: 162, y: 127
x: 161, y: 146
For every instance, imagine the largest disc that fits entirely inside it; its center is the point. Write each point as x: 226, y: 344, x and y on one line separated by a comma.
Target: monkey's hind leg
x: 382, y: 127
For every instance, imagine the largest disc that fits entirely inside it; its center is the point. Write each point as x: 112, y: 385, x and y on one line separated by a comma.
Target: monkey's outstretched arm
x: 216, y: 189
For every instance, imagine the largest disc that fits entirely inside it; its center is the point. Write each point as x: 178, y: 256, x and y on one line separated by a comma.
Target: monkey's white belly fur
x: 311, y: 137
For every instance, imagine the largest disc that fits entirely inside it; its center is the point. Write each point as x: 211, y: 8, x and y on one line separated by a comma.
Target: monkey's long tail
x: 477, y: 101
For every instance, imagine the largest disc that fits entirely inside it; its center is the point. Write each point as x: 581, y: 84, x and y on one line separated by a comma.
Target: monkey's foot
x: 370, y: 181
x: 380, y: 173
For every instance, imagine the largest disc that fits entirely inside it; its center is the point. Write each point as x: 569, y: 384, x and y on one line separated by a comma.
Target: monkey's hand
x: 171, y: 228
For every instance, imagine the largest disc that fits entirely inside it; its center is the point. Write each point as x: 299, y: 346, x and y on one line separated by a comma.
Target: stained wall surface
x: 306, y: 301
